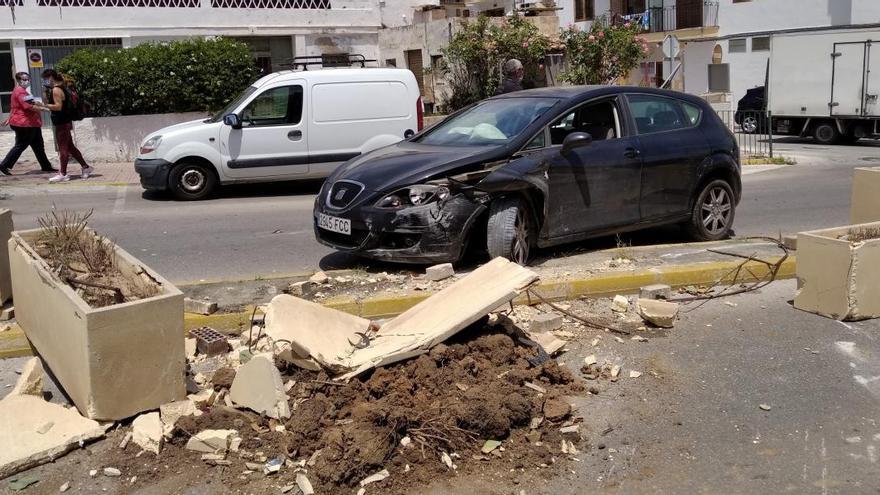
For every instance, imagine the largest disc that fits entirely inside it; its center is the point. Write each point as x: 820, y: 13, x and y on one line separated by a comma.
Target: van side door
x: 272, y: 141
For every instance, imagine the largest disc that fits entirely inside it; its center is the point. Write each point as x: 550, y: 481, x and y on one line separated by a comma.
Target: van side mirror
x: 576, y: 140
x: 232, y: 120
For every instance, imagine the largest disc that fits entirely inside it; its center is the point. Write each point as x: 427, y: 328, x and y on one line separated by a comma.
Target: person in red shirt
x: 25, y: 120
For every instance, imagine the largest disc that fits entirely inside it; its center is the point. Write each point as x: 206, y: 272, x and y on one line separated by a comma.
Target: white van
x: 289, y: 125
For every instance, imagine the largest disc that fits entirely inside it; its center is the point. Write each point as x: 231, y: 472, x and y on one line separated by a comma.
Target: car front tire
x: 510, y: 232
x: 713, y: 213
x: 192, y: 181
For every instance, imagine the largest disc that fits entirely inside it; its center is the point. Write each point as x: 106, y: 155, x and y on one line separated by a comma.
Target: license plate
x: 334, y: 224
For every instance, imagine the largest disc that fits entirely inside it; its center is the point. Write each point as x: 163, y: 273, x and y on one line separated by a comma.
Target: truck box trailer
x: 826, y: 84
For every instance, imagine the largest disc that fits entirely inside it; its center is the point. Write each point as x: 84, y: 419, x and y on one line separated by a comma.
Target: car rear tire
x: 192, y: 181
x: 510, y: 232
x: 713, y: 213
x: 826, y: 133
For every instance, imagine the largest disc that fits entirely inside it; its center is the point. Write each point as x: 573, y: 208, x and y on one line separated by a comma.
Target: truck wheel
x: 826, y: 133
x: 192, y: 181
x: 750, y: 124
x: 510, y: 232
x: 713, y: 213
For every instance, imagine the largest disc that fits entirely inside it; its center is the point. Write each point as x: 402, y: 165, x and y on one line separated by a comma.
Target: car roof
x: 337, y: 74
x: 579, y: 93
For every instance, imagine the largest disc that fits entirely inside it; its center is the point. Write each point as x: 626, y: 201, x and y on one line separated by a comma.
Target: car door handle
x: 631, y: 153
x: 294, y: 135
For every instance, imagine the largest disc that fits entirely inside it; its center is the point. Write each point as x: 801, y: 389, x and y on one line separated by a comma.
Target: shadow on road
x: 265, y: 190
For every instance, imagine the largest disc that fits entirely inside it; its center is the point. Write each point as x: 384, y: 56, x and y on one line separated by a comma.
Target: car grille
x: 343, y: 193
x: 355, y: 240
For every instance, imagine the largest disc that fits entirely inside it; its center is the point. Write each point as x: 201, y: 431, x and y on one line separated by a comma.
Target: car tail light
x: 420, y: 113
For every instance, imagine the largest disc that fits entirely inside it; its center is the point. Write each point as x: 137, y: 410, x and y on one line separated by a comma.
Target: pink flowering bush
x: 602, y: 54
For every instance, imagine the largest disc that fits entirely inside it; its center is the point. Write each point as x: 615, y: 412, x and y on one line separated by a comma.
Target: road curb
x: 14, y: 344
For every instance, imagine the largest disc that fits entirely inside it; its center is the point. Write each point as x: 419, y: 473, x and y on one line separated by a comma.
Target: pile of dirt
x: 87, y: 262
x: 449, y: 401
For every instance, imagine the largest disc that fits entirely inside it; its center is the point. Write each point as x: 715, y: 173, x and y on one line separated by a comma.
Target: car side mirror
x: 232, y: 120
x: 576, y: 140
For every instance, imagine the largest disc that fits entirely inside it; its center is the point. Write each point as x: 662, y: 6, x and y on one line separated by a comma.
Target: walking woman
x: 25, y: 120
x: 62, y: 108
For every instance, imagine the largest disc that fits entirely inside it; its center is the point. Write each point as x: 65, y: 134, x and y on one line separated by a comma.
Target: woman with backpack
x: 62, y: 102
x: 25, y: 120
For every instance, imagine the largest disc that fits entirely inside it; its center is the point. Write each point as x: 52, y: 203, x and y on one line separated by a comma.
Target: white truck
x: 826, y: 84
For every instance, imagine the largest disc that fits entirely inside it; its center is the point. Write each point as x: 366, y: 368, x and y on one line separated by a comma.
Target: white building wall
x: 566, y: 15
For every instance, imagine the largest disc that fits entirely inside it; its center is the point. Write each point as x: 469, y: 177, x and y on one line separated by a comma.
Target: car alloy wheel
x: 716, y: 210
x: 520, y: 248
x: 193, y: 180
x: 750, y: 124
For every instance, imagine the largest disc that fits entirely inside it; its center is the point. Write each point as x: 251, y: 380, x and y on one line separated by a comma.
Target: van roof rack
x: 329, y: 60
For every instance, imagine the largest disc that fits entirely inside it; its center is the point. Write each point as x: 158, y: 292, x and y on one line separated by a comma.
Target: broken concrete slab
x: 545, y: 322
x: 23, y: 447
x: 113, y: 362
x: 173, y: 411
x: 836, y: 271
x: 440, y: 272
x: 655, y: 291
x: 211, y: 441
x: 147, y: 432
x: 658, y: 313
x: 199, y: 306
x: 31, y: 380
x: 6, y: 228
x: 258, y: 387
x: 548, y: 341
x: 865, y: 204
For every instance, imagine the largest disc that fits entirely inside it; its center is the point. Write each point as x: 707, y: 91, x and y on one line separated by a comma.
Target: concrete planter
x: 5, y: 231
x: 865, y: 205
x: 113, y: 362
x: 838, y: 278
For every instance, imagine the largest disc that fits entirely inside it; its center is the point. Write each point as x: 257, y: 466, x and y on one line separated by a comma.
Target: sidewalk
x: 27, y: 170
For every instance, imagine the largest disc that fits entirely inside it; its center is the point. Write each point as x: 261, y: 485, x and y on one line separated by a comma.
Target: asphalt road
x: 265, y: 230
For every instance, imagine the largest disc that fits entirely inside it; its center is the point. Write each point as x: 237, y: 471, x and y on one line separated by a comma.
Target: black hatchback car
x: 537, y: 168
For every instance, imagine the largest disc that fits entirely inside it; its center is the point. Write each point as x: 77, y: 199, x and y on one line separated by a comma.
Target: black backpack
x: 73, y: 104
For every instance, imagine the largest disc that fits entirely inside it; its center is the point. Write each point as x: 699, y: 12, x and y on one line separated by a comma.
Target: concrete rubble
x: 199, y: 306
x: 437, y: 273
x: 173, y: 411
x: 147, y: 432
x: 31, y: 380
x: 258, y: 386
x: 620, y: 304
x: 655, y: 291
x: 23, y: 447
x: 658, y: 313
x: 545, y: 322
x: 211, y: 441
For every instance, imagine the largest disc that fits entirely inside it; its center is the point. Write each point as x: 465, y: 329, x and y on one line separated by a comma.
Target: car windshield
x: 230, y: 107
x: 492, y: 122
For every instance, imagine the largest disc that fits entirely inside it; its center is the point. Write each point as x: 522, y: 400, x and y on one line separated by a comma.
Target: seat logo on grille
x: 340, y: 194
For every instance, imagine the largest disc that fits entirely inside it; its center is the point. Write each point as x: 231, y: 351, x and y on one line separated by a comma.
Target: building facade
x: 724, y: 44
x: 275, y: 30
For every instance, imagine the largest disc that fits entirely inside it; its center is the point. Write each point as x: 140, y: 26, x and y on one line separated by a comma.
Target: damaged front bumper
x: 432, y: 233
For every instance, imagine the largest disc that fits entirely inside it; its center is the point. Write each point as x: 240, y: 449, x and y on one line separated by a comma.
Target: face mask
x: 47, y: 83
x: 24, y: 84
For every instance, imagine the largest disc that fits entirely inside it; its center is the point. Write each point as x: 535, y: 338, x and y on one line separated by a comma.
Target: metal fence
x: 752, y: 130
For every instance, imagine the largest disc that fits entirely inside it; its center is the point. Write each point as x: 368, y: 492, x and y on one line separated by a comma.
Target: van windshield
x: 231, y: 106
x: 492, y: 122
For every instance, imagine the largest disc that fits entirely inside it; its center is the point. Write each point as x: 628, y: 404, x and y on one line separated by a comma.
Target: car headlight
x: 414, y: 196
x: 151, y: 144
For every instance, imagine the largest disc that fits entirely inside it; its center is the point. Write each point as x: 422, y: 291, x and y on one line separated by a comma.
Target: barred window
x: 270, y: 4
x: 119, y: 3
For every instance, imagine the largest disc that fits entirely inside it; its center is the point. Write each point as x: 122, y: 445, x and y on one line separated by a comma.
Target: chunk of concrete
x: 7, y: 312
x: 258, y: 386
x: 319, y: 278
x: 6, y: 228
x: 173, y: 411
x: 199, y: 306
x: 658, y: 313
x: 620, y: 304
x: 300, y: 289
x: 655, y: 291
x: 23, y: 447
x: 545, y: 322
x: 211, y: 441
x: 865, y: 204
x: 147, y: 432
x: 31, y: 380
x: 440, y: 272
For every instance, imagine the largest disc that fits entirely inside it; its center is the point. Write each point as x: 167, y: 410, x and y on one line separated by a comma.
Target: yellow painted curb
x: 602, y: 285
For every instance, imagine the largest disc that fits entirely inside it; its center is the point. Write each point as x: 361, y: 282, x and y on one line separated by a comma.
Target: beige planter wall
x: 6, y: 229
x: 113, y: 362
x: 837, y: 278
x: 865, y: 205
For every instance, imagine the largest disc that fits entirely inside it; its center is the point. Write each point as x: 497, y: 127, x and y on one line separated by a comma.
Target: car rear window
x: 692, y: 112
x: 655, y: 113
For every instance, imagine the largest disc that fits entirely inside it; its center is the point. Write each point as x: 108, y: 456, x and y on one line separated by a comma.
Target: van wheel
x: 713, y: 213
x: 826, y: 133
x: 510, y: 232
x: 192, y: 181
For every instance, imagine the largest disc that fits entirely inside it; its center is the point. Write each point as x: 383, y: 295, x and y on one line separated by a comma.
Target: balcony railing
x: 685, y: 14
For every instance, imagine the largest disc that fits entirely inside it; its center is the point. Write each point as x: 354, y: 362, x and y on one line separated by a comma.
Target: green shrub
x: 179, y: 76
x: 603, y: 54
